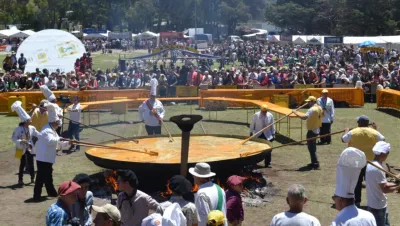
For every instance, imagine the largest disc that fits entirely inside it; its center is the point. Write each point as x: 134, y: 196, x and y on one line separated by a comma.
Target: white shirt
x: 352, y: 216
x: 294, y: 219
x: 144, y: 113
x: 376, y: 199
x: 308, y: 115
x: 328, y: 108
x: 260, y: 121
x: 59, y: 112
x: 206, y: 199
x: 47, y: 145
x: 51, y: 84
x: 153, y: 86
x: 347, y: 137
x: 75, y: 112
x: 20, y: 134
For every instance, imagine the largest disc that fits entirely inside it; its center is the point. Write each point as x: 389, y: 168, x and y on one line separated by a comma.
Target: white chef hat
x: 153, y: 87
x: 359, y: 84
x: 52, y: 113
x: 154, y: 219
x: 47, y: 93
x: 348, y: 169
x: 381, y: 147
x: 16, y: 106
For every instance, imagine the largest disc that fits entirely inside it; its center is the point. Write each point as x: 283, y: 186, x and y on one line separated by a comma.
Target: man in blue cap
x: 363, y: 138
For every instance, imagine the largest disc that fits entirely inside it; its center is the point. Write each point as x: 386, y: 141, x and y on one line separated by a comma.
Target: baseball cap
x: 110, y: 210
x: 67, y: 187
x: 180, y: 185
x: 362, y: 118
x: 235, y: 180
x: 216, y: 217
x: 311, y: 98
x: 264, y: 107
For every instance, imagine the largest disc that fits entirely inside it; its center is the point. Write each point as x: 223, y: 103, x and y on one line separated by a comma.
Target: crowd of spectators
x: 244, y: 64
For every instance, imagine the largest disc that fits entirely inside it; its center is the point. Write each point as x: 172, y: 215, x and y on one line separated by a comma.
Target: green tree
x: 233, y: 12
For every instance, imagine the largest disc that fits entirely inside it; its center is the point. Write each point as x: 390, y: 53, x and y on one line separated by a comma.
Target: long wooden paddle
x: 86, y: 144
x: 385, y: 171
x: 267, y: 127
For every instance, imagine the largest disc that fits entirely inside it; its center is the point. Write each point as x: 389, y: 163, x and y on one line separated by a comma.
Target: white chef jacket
x: 47, y: 145
x: 206, y: 199
x: 59, y: 112
x: 352, y: 216
x: 328, y: 108
x: 259, y: 122
x: 144, y: 113
x: 153, y: 86
x: 20, y: 134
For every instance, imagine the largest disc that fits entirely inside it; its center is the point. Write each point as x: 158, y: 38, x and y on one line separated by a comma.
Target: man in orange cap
x: 314, y: 122
x: 261, y: 120
x: 59, y: 212
x: 328, y: 108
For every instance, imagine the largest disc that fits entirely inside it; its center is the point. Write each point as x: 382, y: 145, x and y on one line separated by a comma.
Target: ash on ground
x: 258, y: 192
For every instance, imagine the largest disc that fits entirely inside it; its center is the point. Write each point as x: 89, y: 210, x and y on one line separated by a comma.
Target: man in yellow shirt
x: 39, y: 115
x: 363, y: 138
x: 314, y: 122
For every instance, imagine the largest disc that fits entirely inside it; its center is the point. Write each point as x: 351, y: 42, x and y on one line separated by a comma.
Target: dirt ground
x: 287, y: 163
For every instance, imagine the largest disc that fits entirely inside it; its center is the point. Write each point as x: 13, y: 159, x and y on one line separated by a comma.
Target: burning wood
x: 111, y: 180
x: 168, y: 191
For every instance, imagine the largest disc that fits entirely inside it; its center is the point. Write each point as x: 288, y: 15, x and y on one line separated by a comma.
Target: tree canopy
x: 132, y: 15
x: 335, y: 17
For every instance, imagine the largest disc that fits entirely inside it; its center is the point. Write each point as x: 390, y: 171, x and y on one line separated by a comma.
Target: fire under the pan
x: 201, y: 149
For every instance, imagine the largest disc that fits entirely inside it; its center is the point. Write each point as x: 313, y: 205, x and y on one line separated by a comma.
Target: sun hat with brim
x: 325, y: 91
x: 311, y: 99
x: 264, y: 107
x: 202, y: 170
x: 110, y: 210
x: 67, y: 187
x: 216, y: 217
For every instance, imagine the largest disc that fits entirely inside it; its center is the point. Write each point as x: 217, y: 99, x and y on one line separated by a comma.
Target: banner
x: 171, y: 34
x: 286, y: 38
x: 170, y: 47
x: 374, y: 49
x: 94, y: 31
x: 333, y: 40
x: 5, y: 48
x: 120, y: 35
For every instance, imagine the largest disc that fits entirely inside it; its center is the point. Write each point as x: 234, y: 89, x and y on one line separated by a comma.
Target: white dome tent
x: 51, y: 49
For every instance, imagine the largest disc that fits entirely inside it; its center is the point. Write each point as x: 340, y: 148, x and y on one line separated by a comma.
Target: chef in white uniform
x: 22, y: 137
x: 46, y: 150
x: 349, y: 166
x: 260, y: 120
x: 52, y: 99
x: 152, y: 112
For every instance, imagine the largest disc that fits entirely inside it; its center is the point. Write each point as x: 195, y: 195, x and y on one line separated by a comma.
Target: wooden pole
x: 267, y: 127
x: 384, y: 170
x: 91, y: 127
x: 153, y: 153
x: 292, y: 143
x: 169, y: 133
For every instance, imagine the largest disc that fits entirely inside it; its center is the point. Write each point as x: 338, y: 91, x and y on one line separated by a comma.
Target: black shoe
x: 316, y: 167
x: 52, y: 195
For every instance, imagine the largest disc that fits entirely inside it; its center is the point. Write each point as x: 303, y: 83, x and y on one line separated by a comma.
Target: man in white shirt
x: 296, y: 198
x: 349, y: 166
x: 377, y: 185
x: 152, y: 112
x: 51, y: 83
x: 75, y: 116
x: 46, y: 149
x: 261, y: 120
x: 210, y: 196
x: 328, y: 109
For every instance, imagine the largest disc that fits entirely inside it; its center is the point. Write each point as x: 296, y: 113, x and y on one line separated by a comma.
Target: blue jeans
x: 381, y: 216
x: 73, y: 132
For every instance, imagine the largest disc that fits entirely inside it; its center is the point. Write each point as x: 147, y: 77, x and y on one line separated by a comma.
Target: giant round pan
x: 222, y: 152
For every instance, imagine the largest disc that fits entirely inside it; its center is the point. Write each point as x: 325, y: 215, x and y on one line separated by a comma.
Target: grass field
x: 286, y: 164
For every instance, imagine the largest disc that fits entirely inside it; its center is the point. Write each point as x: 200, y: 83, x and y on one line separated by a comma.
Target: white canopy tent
x: 148, y: 34
x: 95, y: 35
x: 9, y: 32
x: 297, y: 39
